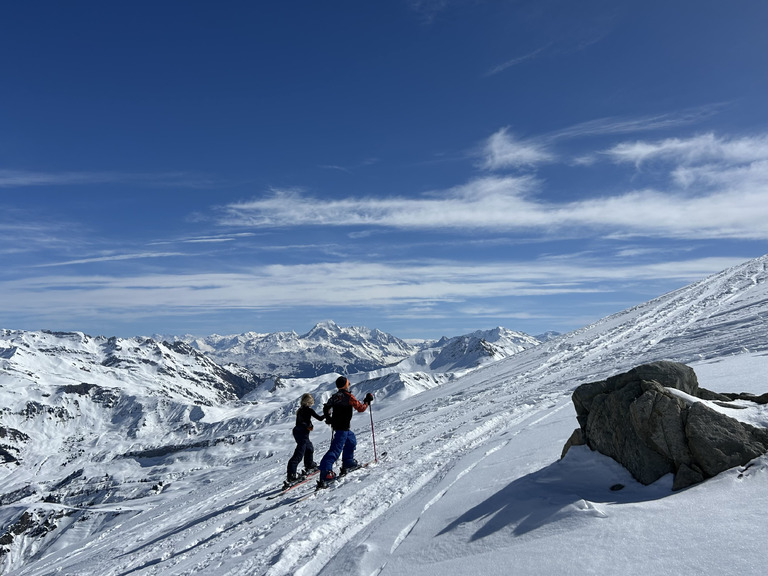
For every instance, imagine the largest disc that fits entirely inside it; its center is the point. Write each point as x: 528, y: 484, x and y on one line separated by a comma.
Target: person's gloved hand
x: 368, y: 398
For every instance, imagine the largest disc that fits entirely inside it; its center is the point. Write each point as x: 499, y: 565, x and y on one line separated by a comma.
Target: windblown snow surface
x: 472, y: 482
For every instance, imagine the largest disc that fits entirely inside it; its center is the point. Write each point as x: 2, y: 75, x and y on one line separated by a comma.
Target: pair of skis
x: 338, y: 479
x: 301, y: 482
x: 311, y: 475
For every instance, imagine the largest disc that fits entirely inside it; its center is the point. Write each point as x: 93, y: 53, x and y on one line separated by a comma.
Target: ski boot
x: 354, y: 465
x: 290, y: 481
x: 325, y: 479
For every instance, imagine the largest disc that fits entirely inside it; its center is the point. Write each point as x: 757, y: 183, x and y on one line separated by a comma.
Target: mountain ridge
x: 328, y: 348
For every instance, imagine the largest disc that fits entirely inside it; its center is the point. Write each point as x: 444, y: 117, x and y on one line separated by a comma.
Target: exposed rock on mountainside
x: 641, y: 420
x: 10, y: 440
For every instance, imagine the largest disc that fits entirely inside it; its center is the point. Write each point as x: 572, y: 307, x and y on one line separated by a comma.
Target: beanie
x: 341, y: 381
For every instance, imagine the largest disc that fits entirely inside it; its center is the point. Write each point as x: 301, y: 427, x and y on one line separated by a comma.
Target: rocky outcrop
x: 635, y: 419
x: 11, y: 441
x: 31, y: 524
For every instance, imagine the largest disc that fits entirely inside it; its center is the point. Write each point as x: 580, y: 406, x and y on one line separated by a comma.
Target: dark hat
x: 341, y: 381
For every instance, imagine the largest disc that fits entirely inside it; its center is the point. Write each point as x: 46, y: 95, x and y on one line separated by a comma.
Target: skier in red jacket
x: 338, y: 413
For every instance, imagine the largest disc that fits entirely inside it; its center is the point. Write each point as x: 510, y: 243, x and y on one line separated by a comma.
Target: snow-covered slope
x: 72, y: 403
x: 468, y: 352
x: 472, y: 482
x: 443, y: 361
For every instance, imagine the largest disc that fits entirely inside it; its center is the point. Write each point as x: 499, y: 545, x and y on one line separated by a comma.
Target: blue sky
x: 423, y: 167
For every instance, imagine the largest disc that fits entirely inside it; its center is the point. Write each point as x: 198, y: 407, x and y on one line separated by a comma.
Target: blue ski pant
x: 343, y: 443
x: 304, y: 450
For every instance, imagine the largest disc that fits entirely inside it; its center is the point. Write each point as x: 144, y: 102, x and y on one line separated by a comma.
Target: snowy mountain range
x: 136, y: 456
x: 329, y: 348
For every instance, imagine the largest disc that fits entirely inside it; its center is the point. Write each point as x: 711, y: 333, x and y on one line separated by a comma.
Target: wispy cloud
x: 209, y: 239
x: 475, y: 205
x: 383, y: 285
x: 336, y: 167
x: 504, y: 150
x: 633, y: 125
x: 705, y: 148
x: 515, y: 61
x: 111, y: 258
x: 733, y: 209
x: 20, y: 233
x: 23, y: 178
x: 727, y: 169
x: 726, y: 214
x: 351, y: 169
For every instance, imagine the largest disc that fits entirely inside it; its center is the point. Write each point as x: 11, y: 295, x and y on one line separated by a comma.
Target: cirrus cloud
x: 705, y: 148
x: 504, y: 150
x: 508, y: 204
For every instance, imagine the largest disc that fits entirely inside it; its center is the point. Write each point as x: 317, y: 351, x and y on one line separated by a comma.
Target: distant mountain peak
x: 323, y: 330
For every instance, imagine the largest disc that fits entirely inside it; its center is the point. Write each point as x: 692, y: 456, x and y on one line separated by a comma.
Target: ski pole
x: 373, y: 435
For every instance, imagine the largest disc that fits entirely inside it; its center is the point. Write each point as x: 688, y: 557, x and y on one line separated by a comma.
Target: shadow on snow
x: 578, y: 485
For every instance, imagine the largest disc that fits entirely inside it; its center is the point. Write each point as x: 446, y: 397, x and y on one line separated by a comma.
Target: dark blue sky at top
x: 132, y: 136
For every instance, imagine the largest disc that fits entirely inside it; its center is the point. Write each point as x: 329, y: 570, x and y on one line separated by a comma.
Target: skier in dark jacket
x: 338, y: 414
x: 304, y: 448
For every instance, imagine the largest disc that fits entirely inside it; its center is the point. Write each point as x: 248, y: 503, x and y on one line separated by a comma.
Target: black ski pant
x: 304, y: 449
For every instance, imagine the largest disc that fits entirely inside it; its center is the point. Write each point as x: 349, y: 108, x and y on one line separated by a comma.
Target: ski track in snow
x: 439, y: 453
x: 299, y: 543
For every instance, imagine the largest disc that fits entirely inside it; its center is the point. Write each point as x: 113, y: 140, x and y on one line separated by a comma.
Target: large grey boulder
x: 635, y: 419
x: 716, y: 444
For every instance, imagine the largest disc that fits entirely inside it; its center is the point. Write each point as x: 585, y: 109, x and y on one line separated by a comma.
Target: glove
x: 368, y: 398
